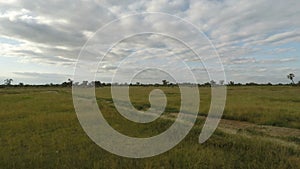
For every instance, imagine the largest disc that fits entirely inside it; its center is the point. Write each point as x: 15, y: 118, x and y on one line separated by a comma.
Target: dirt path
x: 285, y: 136
x: 281, y: 135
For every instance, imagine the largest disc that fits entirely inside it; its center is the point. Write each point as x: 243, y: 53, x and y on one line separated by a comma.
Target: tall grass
x: 39, y: 129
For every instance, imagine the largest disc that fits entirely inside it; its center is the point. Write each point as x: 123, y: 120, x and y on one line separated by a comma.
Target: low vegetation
x: 39, y: 129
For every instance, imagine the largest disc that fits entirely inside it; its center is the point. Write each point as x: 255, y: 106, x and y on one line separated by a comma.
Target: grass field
x: 39, y: 129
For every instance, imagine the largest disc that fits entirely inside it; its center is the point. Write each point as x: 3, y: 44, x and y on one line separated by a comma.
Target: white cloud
x: 242, y: 31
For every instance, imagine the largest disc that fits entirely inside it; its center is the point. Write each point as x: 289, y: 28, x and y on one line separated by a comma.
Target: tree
x: 97, y: 84
x: 8, y: 82
x: 212, y: 83
x: 231, y: 83
x: 84, y: 83
x: 251, y: 84
x: 291, y: 77
x: 165, y: 82
x: 206, y: 84
x: 92, y: 83
x: 221, y: 82
x: 67, y: 84
x: 64, y: 84
x: 70, y: 81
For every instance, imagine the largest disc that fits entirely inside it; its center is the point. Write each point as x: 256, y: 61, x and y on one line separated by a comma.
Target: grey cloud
x: 40, y: 33
x: 242, y: 60
x: 237, y: 28
x: 44, y: 75
x: 273, y: 61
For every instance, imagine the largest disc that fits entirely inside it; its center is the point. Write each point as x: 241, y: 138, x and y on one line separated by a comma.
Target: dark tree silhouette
x: 8, y: 82
x: 97, y: 84
x: 70, y: 81
x: 165, y: 82
x: 291, y: 77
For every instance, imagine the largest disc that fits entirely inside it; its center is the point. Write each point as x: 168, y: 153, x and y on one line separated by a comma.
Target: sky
x: 256, y: 41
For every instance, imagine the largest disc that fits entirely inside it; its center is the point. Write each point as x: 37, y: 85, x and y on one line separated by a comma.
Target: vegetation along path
x: 282, y: 135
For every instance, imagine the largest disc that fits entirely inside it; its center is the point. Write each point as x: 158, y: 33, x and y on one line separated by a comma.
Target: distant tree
x: 137, y: 83
x: 8, y: 82
x: 231, y: 83
x: 84, y: 83
x: 21, y: 84
x: 64, y: 84
x: 70, y: 82
x: 212, y: 82
x: 97, y: 84
x: 206, y: 84
x: 291, y: 77
x: 76, y: 83
x: 251, y: 84
x: 165, y: 82
x: 298, y: 83
x: 91, y: 84
x: 221, y: 82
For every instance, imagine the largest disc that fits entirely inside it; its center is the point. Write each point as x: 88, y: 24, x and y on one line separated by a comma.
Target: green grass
x: 39, y: 129
x: 268, y: 105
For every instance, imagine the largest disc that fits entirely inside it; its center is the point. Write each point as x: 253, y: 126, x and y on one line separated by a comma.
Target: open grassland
x: 39, y: 129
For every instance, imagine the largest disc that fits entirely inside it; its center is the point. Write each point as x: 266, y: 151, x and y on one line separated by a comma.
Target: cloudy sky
x: 257, y: 41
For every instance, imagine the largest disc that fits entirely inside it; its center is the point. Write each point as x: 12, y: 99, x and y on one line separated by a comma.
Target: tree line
x: 69, y: 83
